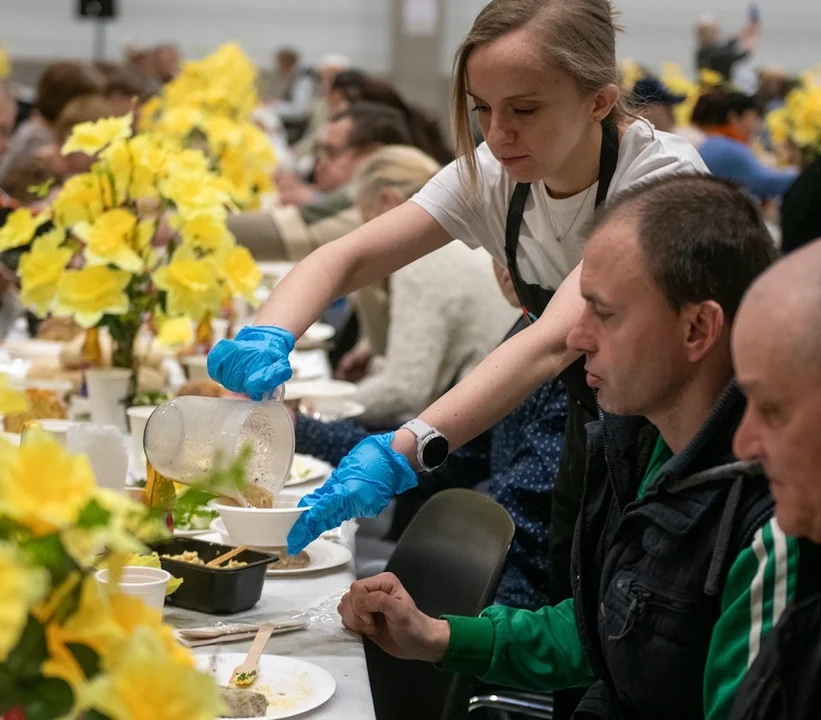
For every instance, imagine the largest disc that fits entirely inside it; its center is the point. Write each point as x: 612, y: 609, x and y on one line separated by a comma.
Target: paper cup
x: 196, y: 367
x: 219, y: 329
x: 107, y: 391
x: 137, y: 418
x: 146, y: 583
x: 58, y: 428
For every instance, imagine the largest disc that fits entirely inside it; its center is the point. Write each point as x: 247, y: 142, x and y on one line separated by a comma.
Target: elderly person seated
x: 292, y: 232
x: 776, y: 350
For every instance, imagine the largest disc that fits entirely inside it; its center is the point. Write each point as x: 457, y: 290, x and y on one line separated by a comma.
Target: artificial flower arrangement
x: 97, y: 261
x: 209, y: 105
x: 67, y: 648
x: 798, y: 122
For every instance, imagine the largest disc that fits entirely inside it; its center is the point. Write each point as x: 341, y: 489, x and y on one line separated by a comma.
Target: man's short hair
x: 703, y: 237
x: 375, y: 124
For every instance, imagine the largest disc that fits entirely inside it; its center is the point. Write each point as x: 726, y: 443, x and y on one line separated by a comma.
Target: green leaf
x: 25, y: 659
x: 48, y: 551
x: 88, y: 660
x: 46, y: 698
x: 7, y: 697
x: 94, y: 715
x: 93, y: 515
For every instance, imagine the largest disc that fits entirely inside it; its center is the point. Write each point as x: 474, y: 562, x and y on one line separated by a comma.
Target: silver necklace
x: 560, y: 238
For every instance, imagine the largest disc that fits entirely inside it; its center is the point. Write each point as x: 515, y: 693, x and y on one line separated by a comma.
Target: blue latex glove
x: 255, y: 362
x: 362, y: 486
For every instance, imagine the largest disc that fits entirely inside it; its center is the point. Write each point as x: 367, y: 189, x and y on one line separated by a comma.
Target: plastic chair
x: 450, y: 559
x: 521, y: 704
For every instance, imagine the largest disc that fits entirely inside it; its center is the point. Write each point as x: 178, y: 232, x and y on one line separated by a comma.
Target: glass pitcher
x: 185, y: 437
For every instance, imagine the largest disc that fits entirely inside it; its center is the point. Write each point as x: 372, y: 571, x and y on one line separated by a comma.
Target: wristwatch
x: 432, y: 447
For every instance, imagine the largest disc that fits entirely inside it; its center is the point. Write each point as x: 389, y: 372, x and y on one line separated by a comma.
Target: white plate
x: 298, y: 389
x: 29, y: 349
x: 292, y: 686
x: 190, y: 533
x: 322, y: 554
x: 307, y: 469
x: 316, y: 335
x: 331, y: 408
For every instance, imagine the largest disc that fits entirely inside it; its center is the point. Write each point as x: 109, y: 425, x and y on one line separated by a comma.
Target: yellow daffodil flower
x: 207, y: 231
x: 11, y: 401
x: 146, y: 115
x: 19, y: 229
x: 82, y: 198
x: 5, y: 65
x: 241, y: 273
x: 187, y: 162
x: 176, y: 333
x: 91, y: 137
x: 88, y: 294
x: 142, y: 680
x: 21, y: 587
x: 180, y: 121
x: 194, y: 195
x: 29, y: 493
x: 41, y: 269
x: 112, y: 237
x: 191, y: 283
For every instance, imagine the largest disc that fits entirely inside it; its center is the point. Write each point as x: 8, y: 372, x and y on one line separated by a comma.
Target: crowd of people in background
x: 712, y: 361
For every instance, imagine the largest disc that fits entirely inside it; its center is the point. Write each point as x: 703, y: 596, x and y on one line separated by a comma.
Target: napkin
x: 233, y: 632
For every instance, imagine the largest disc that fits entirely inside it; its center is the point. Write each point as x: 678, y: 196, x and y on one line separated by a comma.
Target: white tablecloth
x: 324, y: 643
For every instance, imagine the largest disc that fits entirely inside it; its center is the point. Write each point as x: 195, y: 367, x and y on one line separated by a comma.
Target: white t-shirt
x: 644, y: 153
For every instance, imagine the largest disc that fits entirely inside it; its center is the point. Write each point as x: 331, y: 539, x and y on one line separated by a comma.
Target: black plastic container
x: 212, y: 590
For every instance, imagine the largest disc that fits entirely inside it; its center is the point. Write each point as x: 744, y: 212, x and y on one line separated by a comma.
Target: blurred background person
x: 293, y: 231
x: 719, y: 54
x: 731, y: 122
x: 59, y: 84
x: 801, y: 208
x: 298, y: 86
x: 655, y: 102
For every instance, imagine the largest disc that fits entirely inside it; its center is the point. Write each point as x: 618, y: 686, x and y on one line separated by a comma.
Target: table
x: 324, y: 643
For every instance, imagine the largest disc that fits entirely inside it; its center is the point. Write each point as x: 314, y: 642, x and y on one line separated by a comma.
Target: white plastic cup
x: 137, y: 418
x: 147, y: 583
x: 107, y: 391
x: 196, y: 366
x: 219, y: 329
x: 57, y: 428
x: 107, y: 451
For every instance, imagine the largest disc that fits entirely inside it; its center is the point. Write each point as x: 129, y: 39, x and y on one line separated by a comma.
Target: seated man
x: 292, y: 232
x: 518, y: 458
x: 776, y: 348
x: 679, y: 569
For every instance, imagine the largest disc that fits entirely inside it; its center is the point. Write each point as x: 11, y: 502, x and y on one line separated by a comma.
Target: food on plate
x: 45, y: 405
x: 290, y: 562
x: 243, y: 703
x: 193, y: 558
x: 201, y: 388
x: 56, y: 329
x: 300, y: 470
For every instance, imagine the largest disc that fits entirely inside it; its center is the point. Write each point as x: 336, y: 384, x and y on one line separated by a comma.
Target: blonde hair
x: 577, y: 36
x: 396, y: 167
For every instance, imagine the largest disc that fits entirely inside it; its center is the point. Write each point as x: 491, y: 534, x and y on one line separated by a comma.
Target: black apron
x: 569, y: 483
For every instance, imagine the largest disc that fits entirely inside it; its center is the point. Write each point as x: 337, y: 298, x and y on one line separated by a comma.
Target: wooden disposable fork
x: 245, y: 673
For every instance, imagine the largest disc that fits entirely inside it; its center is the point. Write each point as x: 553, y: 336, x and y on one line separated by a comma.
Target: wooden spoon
x: 220, y: 559
x: 245, y: 673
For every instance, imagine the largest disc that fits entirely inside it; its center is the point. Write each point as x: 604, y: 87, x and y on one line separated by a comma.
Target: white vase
x: 107, y: 391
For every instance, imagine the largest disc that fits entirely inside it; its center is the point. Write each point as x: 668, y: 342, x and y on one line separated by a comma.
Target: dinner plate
x: 191, y: 533
x: 292, y: 686
x: 30, y: 349
x: 298, y: 389
x: 322, y: 554
x: 331, y: 408
x: 307, y: 469
x: 316, y: 335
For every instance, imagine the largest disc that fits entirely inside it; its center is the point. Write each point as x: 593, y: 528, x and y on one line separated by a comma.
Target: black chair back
x: 450, y: 560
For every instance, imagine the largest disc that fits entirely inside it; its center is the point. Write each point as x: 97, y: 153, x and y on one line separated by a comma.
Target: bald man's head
x: 777, y: 355
x: 8, y: 113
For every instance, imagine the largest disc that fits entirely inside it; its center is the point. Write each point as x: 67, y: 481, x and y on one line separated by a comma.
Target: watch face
x: 435, y: 451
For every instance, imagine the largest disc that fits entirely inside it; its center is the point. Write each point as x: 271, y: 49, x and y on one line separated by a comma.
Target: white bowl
x: 266, y: 527
x: 58, y: 428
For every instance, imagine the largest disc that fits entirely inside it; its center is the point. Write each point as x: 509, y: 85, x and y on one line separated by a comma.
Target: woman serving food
x: 541, y: 78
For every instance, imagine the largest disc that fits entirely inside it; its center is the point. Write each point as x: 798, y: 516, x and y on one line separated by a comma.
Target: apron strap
x: 608, y: 160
